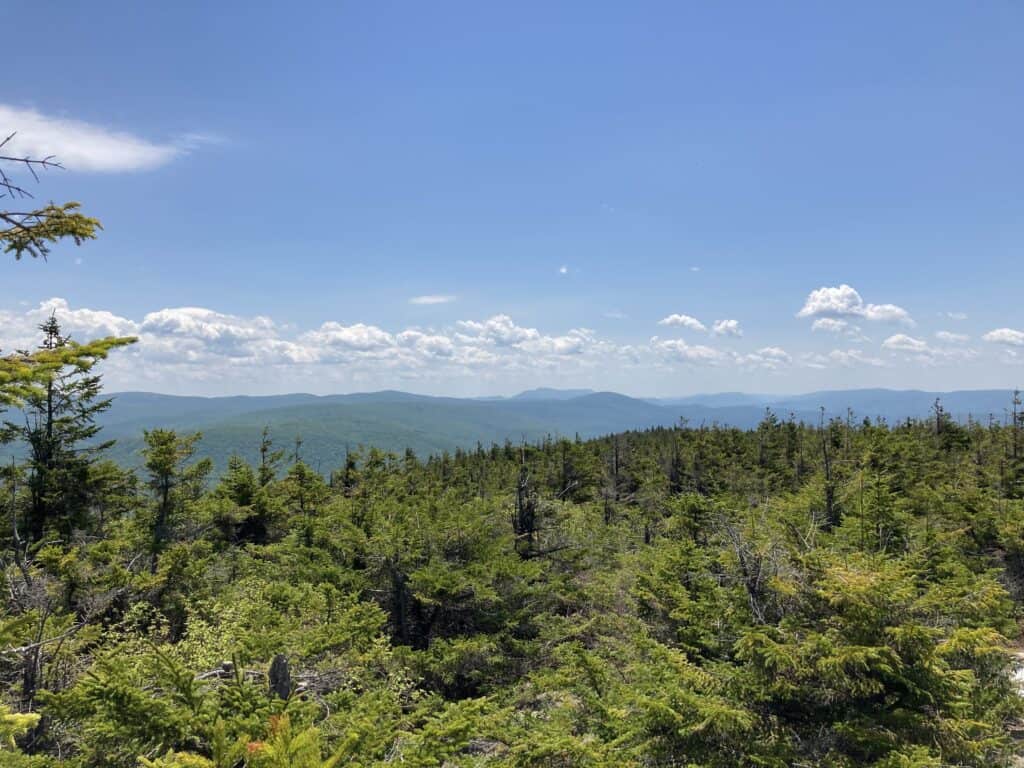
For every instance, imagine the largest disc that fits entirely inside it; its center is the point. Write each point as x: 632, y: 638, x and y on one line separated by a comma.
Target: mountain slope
x: 394, y: 421
x: 329, y: 426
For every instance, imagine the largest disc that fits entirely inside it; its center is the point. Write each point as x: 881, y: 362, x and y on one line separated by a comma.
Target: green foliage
x: 58, y: 425
x: 13, y: 725
x: 707, y: 597
x: 33, y: 232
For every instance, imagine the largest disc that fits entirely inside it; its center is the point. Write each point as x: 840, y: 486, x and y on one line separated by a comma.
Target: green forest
x: 841, y: 593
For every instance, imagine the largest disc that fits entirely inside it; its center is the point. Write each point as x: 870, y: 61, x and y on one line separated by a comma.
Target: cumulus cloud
x: 846, y: 358
x: 428, y: 344
x: 206, y: 324
x: 956, y: 315
x: 770, y: 358
x: 679, y: 351
x: 21, y: 330
x: 575, y: 342
x: 920, y: 351
x: 179, y: 346
x: 843, y: 302
x: 82, y: 146
x: 196, y: 335
x: 902, y: 342
x: 1008, y: 336
x: 195, y: 344
x: 432, y: 299
x: 358, y: 337
x: 727, y: 328
x: 829, y: 325
x: 952, y: 338
x: 683, y: 321
x: 500, y: 330
x: 84, y: 324
x: 839, y: 328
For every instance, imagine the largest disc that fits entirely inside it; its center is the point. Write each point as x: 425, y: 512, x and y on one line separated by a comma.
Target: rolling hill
x: 392, y: 420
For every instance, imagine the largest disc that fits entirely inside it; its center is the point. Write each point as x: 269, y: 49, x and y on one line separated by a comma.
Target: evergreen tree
x: 33, y: 229
x: 59, y: 411
x: 166, y: 457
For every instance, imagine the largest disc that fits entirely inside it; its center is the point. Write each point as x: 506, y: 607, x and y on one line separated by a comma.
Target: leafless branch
x: 38, y: 644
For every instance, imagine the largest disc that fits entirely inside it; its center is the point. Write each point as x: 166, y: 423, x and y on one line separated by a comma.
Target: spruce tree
x: 166, y: 457
x: 60, y: 402
x: 32, y: 229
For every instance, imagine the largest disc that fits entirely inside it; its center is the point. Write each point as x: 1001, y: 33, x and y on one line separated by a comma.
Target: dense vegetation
x: 838, y: 594
x: 395, y: 421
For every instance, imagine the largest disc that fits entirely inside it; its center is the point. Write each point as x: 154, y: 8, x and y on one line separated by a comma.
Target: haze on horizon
x: 471, y: 201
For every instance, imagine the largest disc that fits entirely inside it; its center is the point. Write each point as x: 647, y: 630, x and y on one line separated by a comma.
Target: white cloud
x: 839, y: 327
x: 575, y: 342
x: 727, y: 328
x: 81, y: 146
x: 904, y: 343
x: 563, y: 270
x: 920, y: 351
x: 432, y: 299
x: 196, y: 335
x: 683, y: 321
x: 829, y: 325
x: 956, y: 315
x: 888, y: 313
x: 952, y: 338
x: 428, y: 344
x: 358, y: 337
x: 84, y: 324
x: 181, y: 346
x: 852, y: 357
x: 771, y: 358
x: 206, y: 324
x: 679, y: 351
x: 843, y: 302
x: 500, y: 330
x: 1008, y: 336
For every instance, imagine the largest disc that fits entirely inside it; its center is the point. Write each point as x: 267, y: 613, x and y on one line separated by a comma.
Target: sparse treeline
x: 840, y: 594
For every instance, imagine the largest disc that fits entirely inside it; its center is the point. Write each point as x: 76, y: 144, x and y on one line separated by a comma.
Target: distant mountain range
x: 329, y: 425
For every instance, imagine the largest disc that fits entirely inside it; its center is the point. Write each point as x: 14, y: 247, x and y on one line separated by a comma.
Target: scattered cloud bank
x: 196, y: 344
x: 203, y: 344
x: 82, y: 146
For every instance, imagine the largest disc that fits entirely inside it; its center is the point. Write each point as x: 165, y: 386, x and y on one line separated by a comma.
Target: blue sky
x: 279, y: 182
